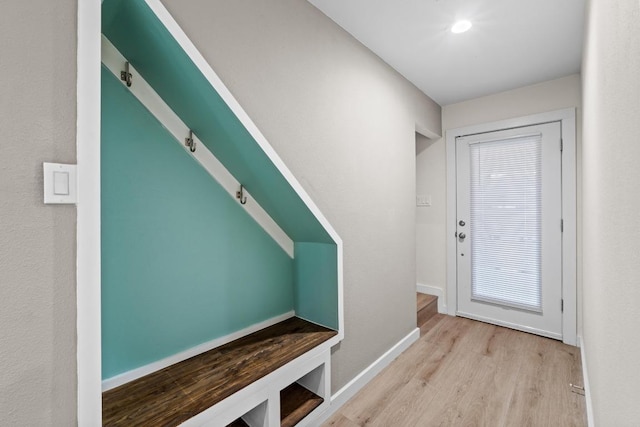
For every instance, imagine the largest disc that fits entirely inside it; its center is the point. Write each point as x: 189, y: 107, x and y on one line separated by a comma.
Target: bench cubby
x: 299, y: 399
x: 217, y: 308
x: 257, y: 417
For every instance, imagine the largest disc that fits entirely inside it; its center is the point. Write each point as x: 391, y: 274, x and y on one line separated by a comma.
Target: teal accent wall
x: 182, y: 262
x: 316, y: 283
x: 137, y: 33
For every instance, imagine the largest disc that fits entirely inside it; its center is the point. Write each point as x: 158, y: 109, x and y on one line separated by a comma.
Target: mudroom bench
x: 276, y: 376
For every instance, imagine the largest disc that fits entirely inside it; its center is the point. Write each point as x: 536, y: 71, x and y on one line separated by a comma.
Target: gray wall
x: 344, y: 123
x: 431, y: 250
x: 611, y: 91
x: 37, y: 242
x: 340, y: 118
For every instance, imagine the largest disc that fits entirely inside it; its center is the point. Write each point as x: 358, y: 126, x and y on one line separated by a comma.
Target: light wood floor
x: 467, y: 373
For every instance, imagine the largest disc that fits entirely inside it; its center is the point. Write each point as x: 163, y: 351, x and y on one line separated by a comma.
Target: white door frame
x: 89, y: 399
x: 567, y: 118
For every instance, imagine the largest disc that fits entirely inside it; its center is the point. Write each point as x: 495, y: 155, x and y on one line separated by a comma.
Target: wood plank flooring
x: 181, y: 391
x: 467, y: 373
x: 427, y: 306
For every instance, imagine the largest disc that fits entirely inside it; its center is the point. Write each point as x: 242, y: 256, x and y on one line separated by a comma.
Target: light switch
x: 423, y: 201
x: 60, y: 184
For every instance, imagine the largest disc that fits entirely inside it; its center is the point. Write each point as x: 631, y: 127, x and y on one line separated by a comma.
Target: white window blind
x: 506, y: 184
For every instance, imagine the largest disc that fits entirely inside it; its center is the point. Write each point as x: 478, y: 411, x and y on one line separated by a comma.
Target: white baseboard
x: 585, y: 380
x: 136, y: 373
x: 435, y: 291
x: 354, y: 386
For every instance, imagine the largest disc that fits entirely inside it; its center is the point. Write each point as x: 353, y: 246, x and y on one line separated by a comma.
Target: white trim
x: 143, y: 91
x: 569, y: 236
x: 136, y: 373
x: 585, y: 383
x: 340, y: 268
x: 435, y: 291
x: 88, y: 353
x: 517, y: 327
x: 567, y: 117
x: 258, y: 415
x: 452, y: 259
x: 356, y: 384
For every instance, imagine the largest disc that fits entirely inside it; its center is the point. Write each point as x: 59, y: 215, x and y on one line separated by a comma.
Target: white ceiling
x: 512, y: 43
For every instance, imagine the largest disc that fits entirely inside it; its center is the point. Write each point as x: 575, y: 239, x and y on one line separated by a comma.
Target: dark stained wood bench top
x: 174, y: 394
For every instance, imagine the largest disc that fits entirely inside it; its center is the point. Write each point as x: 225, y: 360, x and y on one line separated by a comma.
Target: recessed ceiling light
x: 461, y: 26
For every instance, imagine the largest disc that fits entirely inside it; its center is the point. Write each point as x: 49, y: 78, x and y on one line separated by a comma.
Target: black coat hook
x: 189, y: 142
x: 125, y: 75
x: 240, y: 195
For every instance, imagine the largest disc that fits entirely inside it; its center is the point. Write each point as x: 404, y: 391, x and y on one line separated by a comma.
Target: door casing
x: 567, y: 118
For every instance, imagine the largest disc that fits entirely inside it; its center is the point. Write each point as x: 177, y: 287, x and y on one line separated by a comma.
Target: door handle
x: 462, y: 236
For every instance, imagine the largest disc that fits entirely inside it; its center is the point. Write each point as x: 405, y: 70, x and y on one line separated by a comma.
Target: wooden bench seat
x: 174, y: 394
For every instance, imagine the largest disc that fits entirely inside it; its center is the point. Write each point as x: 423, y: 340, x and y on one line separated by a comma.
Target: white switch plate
x: 423, y: 200
x: 60, y: 183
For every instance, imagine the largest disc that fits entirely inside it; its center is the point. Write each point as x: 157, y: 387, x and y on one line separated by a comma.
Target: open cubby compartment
x: 261, y: 404
x: 304, y: 397
x: 257, y: 417
x: 207, y: 237
x: 240, y: 422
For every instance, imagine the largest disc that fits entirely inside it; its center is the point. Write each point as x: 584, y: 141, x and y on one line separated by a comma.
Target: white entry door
x: 509, y: 241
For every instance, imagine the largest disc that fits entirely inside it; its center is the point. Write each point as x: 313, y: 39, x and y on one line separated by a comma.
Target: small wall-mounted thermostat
x: 60, y: 184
